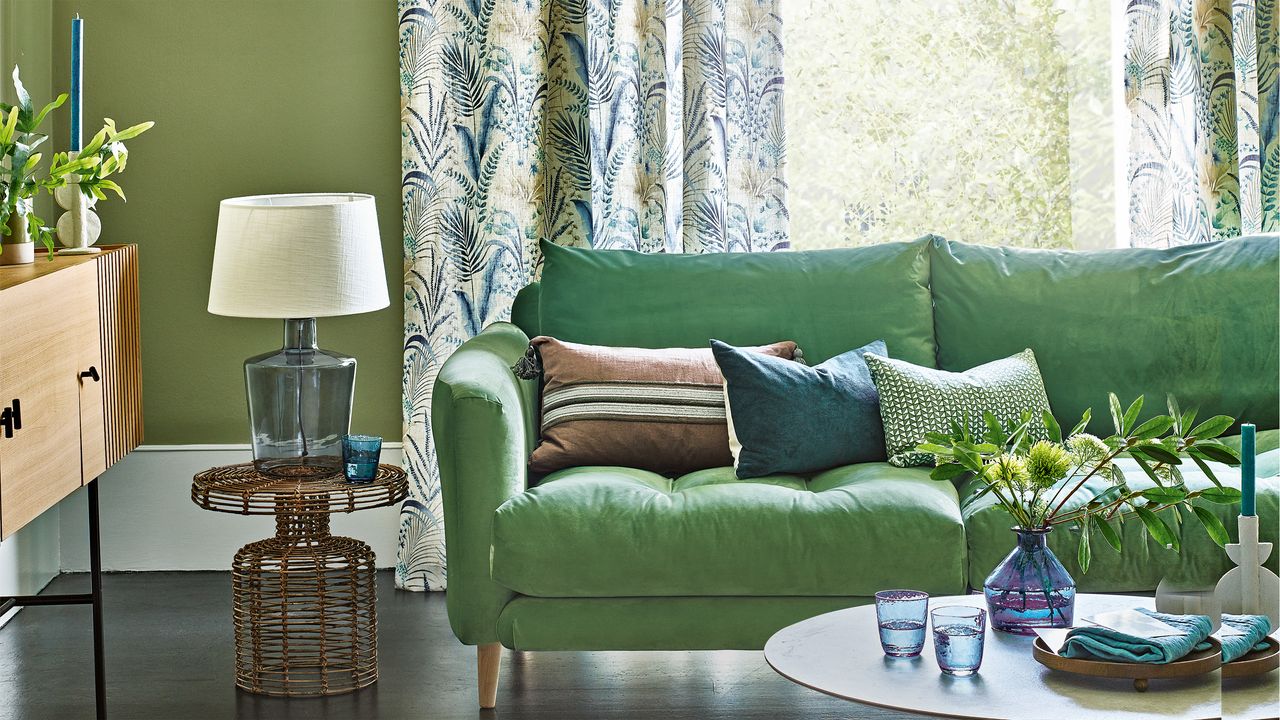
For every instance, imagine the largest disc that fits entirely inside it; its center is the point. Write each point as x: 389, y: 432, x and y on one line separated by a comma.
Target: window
x: 989, y: 122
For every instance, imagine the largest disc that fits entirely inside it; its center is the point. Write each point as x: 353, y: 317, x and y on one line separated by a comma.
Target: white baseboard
x: 150, y: 523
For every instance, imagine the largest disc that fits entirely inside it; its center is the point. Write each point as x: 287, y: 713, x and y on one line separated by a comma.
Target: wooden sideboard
x: 70, y: 376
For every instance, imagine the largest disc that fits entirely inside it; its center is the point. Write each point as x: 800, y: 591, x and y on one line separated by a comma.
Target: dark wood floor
x: 169, y: 657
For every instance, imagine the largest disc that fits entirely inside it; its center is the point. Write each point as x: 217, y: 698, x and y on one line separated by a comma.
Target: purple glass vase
x: 1030, y: 588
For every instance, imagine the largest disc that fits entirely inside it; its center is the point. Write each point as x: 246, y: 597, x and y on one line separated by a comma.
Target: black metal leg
x: 95, y: 579
x: 92, y: 598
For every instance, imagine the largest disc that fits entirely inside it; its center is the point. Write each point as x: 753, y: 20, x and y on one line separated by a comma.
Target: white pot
x: 17, y: 253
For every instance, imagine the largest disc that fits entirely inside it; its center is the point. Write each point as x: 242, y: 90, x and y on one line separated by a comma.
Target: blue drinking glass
x: 958, y: 632
x: 360, y: 455
x: 901, y: 616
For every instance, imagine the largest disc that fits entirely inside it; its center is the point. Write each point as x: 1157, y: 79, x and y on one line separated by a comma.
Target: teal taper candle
x: 1247, y: 451
x: 77, y: 80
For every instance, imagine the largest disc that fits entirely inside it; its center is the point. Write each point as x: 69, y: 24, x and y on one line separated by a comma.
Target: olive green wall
x: 249, y: 97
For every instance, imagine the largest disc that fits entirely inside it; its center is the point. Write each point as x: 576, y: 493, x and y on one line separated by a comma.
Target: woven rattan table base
x: 304, y: 611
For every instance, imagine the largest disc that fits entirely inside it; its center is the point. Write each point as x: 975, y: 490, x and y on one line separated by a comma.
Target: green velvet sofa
x: 615, y: 558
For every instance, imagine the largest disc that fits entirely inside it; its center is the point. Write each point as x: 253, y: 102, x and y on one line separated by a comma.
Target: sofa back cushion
x: 524, y: 309
x: 828, y: 301
x: 1198, y: 321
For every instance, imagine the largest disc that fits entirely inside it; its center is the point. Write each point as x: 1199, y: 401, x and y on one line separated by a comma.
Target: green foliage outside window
x: 987, y: 122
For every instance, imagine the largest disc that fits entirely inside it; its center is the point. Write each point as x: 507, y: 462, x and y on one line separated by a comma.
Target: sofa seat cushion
x: 621, y: 532
x: 1142, y: 564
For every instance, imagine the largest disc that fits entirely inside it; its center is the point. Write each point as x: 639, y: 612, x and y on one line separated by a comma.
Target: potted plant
x: 19, y: 226
x: 89, y: 170
x: 1034, y: 480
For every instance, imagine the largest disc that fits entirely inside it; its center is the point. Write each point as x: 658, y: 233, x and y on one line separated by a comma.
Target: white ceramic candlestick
x: 1178, y: 599
x: 1249, y: 588
x: 79, y: 227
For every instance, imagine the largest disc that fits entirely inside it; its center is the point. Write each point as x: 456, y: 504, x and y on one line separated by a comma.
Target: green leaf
x: 937, y: 438
x: 1146, y: 468
x: 1108, y: 533
x: 1084, y: 553
x: 108, y: 185
x: 1084, y: 422
x: 132, y: 132
x: 971, y: 460
x: 1215, y: 451
x: 995, y: 431
x: 1204, y: 468
x: 933, y: 449
x: 1188, y: 417
x: 1221, y: 495
x: 1175, y: 412
x: 39, y: 118
x: 1055, y: 430
x: 948, y: 471
x: 1155, y: 427
x: 1212, y: 525
x: 1116, y: 412
x: 1157, y: 528
x: 24, y: 99
x: 1211, y: 428
x: 95, y: 144
x: 986, y: 489
x: 1131, y: 415
x: 10, y: 127
x: 1108, y: 496
x: 1164, y: 495
x: 1156, y: 452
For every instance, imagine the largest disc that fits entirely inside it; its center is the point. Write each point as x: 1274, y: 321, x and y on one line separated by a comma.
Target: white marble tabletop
x: 839, y: 654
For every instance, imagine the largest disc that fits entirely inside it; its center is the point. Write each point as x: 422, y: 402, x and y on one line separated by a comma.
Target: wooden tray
x: 1196, y: 663
x: 1256, y: 662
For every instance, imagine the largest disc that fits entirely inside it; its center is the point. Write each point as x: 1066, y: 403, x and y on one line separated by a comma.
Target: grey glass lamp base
x: 299, y: 404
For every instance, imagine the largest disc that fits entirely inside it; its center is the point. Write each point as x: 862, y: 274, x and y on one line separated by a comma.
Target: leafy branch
x: 91, y: 168
x: 1035, y: 479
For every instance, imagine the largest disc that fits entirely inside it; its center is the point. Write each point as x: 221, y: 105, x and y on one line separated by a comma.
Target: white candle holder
x: 80, y: 227
x: 1249, y: 588
x: 1177, y: 598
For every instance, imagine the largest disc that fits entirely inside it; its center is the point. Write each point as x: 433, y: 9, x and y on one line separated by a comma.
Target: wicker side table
x: 304, y: 601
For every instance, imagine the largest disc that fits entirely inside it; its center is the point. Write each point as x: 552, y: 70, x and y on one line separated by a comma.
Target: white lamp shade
x: 297, y: 256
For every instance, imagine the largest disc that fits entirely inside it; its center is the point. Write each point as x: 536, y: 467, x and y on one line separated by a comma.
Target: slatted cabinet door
x: 43, y: 327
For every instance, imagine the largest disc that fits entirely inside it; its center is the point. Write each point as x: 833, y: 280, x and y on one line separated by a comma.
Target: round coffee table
x: 839, y: 654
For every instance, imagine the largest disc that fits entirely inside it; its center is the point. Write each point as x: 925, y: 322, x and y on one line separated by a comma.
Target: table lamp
x: 298, y: 257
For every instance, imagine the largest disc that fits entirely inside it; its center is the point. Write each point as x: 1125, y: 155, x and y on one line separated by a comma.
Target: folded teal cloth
x: 1254, y: 627
x: 1099, y: 643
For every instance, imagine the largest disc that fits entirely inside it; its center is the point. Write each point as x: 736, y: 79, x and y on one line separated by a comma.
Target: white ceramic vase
x: 18, y: 253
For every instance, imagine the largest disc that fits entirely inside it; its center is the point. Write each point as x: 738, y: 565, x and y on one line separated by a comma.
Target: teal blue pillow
x: 792, y: 418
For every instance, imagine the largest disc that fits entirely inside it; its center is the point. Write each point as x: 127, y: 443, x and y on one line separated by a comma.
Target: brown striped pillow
x: 660, y: 410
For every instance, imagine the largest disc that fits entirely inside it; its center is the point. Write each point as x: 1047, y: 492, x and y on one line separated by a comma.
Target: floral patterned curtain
x: 652, y: 125
x: 1202, y: 87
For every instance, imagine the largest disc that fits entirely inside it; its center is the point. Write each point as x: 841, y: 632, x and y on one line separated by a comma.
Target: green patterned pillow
x: 915, y: 400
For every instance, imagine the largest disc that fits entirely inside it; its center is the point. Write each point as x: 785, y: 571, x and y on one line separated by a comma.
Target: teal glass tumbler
x: 360, y: 454
x: 901, y: 615
x: 958, y: 633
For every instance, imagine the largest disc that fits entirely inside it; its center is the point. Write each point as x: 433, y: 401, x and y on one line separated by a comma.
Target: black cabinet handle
x: 11, y: 418
x: 92, y: 372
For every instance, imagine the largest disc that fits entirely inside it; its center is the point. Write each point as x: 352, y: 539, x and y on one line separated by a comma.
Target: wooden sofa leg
x: 488, y: 661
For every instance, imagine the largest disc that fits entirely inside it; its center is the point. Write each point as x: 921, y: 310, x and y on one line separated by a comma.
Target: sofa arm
x: 482, y: 420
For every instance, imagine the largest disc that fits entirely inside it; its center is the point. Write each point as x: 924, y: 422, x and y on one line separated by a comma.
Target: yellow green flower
x: 1047, y: 463
x: 1007, y: 470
